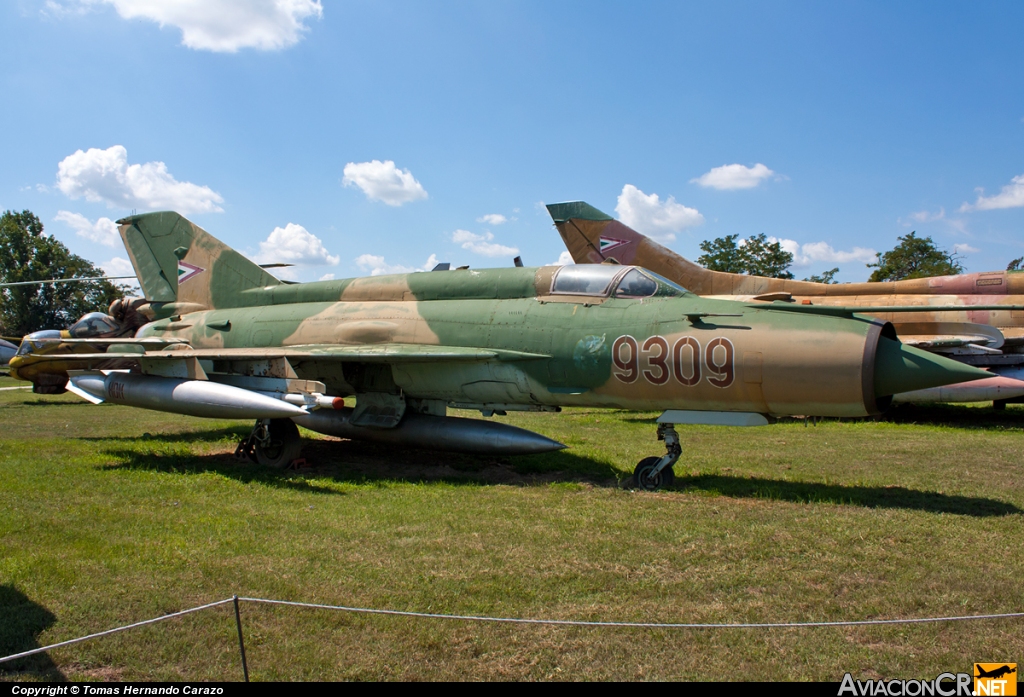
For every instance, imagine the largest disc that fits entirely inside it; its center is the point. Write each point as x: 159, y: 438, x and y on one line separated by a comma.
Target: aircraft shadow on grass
x: 21, y: 623
x: 50, y: 403
x: 866, y: 496
x: 956, y: 416
x: 356, y: 461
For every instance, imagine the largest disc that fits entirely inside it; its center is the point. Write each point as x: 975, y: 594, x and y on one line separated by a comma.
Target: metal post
x: 241, y: 642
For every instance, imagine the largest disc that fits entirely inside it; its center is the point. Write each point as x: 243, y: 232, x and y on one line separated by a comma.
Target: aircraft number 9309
x: 657, y: 361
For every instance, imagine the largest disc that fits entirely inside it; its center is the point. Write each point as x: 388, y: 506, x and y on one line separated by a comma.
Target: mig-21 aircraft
x: 975, y: 318
x: 228, y: 340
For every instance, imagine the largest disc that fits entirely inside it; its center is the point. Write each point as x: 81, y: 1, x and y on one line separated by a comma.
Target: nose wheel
x: 653, y: 473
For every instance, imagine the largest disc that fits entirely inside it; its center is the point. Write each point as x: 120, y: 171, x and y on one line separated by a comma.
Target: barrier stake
x: 241, y: 642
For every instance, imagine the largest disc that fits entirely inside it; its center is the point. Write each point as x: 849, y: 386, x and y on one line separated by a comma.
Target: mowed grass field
x: 110, y: 515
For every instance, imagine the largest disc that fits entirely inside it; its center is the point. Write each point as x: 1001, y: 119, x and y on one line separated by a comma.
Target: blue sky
x: 833, y: 126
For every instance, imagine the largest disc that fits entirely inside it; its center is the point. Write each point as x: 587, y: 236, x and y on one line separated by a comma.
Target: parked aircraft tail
x: 593, y: 237
x: 178, y: 262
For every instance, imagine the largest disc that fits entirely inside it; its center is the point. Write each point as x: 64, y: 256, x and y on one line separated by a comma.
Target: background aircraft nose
x: 901, y: 368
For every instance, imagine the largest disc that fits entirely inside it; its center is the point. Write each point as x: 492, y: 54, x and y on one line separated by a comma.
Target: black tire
x: 642, y: 478
x: 284, y: 446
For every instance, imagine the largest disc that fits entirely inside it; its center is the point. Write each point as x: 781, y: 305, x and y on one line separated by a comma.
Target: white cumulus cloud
x: 492, y: 219
x: 119, y: 266
x: 382, y: 181
x: 105, y: 175
x: 482, y: 244
x: 376, y: 266
x: 1011, y: 196
x: 819, y: 252
x: 103, y: 231
x: 731, y: 177
x: 294, y: 244
x: 223, y: 26
x: 564, y: 259
x: 964, y: 248
x: 657, y: 219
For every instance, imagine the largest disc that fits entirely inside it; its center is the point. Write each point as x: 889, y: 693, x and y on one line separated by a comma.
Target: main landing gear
x: 653, y: 473
x: 273, y: 442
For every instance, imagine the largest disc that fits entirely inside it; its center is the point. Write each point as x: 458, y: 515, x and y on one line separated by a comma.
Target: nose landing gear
x: 653, y: 473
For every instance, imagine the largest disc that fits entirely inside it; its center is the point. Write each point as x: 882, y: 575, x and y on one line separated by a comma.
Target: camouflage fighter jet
x: 983, y: 324
x: 242, y: 344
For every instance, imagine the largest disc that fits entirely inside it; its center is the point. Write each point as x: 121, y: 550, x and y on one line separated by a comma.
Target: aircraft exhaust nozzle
x: 179, y: 396
x: 450, y: 433
x: 901, y: 368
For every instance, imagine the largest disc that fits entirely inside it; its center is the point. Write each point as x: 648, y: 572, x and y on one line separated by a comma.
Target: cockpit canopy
x: 37, y: 340
x: 94, y: 324
x: 604, y: 279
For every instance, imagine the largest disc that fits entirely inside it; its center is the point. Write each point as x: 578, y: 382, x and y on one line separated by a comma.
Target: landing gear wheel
x: 280, y: 445
x: 643, y: 479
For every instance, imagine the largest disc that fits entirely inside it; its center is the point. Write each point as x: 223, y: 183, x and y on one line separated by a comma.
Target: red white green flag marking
x: 187, y: 271
x: 610, y: 243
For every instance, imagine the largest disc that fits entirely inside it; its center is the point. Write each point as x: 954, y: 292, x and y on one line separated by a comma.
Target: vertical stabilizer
x: 179, y: 262
x: 593, y: 237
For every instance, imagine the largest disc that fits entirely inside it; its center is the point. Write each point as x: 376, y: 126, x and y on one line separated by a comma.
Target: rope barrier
x: 638, y: 625
x: 115, y: 630
x: 508, y: 620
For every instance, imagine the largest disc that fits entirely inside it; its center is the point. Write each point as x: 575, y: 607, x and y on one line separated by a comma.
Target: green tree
x: 28, y: 254
x: 764, y: 258
x: 827, y: 277
x: 1015, y: 264
x: 755, y: 256
x: 722, y: 254
x: 914, y: 257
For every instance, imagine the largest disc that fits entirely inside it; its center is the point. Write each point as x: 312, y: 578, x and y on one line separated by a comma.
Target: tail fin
x: 179, y: 262
x: 593, y: 237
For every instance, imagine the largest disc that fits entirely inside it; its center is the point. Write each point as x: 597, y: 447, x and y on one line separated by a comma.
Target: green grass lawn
x: 110, y: 515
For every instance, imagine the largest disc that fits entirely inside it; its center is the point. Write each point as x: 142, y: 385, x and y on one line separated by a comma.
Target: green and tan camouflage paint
x: 584, y: 350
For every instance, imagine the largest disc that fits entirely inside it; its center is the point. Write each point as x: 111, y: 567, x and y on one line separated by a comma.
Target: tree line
x: 912, y: 257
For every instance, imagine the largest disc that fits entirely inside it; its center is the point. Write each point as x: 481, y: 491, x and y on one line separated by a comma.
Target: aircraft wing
x: 362, y: 353
x: 940, y: 336
x: 937, y: 342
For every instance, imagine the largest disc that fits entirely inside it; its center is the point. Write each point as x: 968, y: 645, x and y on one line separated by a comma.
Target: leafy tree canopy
x: 28, y: 254
x: 914, y: 257
x: 1015, y: 264
x: 828, y: 277
x: 755, y: 256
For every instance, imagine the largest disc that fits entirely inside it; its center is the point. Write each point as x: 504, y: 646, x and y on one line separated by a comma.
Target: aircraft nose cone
x: 901, y: 368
